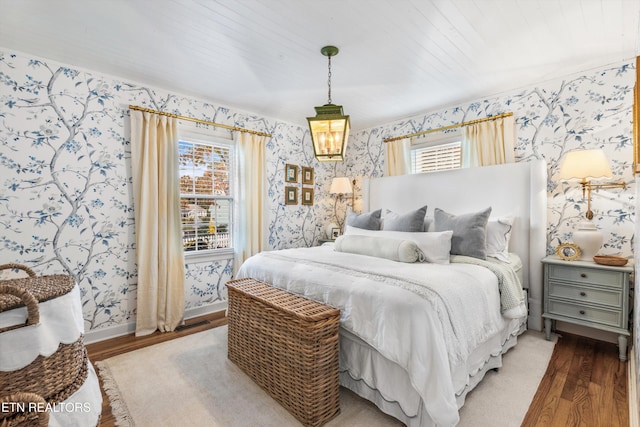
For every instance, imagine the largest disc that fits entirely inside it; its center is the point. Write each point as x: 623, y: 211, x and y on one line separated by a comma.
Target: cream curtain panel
x: 156, y: 195
x: 250, y: 230
x: 490, y: 142
x: 398, y: 157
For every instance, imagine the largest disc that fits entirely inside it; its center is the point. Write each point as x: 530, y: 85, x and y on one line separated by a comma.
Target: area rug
x: 190, y: 382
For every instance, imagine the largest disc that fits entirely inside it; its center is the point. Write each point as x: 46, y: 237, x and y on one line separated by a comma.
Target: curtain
x: 156, y: 196
x: 249, y: 235
x: 490, y: 142
x: 398, y: 157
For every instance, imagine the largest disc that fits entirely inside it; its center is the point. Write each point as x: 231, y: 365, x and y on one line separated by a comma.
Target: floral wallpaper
x: 65, y: 173
x: 65, y: 182
x: 589, y: 110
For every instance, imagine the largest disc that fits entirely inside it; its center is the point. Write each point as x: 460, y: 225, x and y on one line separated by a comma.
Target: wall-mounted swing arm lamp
x: 586, y: 165
x: 341, y: 186
x: 330, y: 127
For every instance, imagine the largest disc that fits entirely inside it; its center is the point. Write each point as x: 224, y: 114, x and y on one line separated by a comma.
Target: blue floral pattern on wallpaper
x: 65, y: 186
x: 65, y: 193
x: 591, y: 110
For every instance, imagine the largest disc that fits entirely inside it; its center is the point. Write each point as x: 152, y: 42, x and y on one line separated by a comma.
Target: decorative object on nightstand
x: 586, y: 165
x: 568, y: 251
x: 588, y: 294
x: 617, y: 261
x: 329, y: 230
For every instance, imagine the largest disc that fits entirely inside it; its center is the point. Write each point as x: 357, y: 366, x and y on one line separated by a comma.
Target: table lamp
x: 587, y: 165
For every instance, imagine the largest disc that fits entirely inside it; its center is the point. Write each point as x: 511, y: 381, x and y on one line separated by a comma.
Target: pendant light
x: 330, y: 127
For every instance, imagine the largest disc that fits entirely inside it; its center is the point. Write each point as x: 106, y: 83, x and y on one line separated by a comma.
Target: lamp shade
x: 584, y: 165
x: 340, y: 185
x: 329, y: 133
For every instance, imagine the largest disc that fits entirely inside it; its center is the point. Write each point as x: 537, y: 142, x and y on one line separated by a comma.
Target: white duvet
x: 425, y: 317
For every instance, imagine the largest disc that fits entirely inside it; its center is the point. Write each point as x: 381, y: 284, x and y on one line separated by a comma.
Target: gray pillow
x: 367, y: 221
x: 469, y: 231
x: 411, y: 221
x: 380, y: 247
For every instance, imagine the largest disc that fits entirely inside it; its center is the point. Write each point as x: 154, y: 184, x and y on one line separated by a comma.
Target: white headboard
x: 515, y: 189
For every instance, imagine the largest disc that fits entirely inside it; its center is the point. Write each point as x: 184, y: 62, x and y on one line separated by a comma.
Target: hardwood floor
x: 585, y: 383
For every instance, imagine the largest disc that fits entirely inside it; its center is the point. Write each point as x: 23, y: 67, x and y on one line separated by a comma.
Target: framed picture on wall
x: 291, y: 173
x: 307, y: 196
x: 307, y: 175
x: 290, y: 195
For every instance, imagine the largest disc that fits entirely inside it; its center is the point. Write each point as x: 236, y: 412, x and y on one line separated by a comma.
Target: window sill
x: 204, y: 256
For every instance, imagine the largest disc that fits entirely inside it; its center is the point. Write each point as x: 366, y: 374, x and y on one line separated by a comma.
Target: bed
x: 416, y: 338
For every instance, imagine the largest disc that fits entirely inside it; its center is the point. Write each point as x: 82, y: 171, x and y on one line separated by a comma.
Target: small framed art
x: 568, y: 251
x: 307, y: 175
x: 290, y: 195
x: 307, y: 196
x: 335, y: 233
x: 291, y: 173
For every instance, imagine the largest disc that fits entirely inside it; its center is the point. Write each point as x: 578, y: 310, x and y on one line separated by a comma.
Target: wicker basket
x: 288, y: 345
x: 53, y: 378
x: 24, y: 411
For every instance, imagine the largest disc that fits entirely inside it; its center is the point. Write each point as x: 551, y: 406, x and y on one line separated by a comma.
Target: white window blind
x: 436, y: 158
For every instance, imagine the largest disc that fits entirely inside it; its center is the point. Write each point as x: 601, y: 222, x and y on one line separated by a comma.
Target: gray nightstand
x: 588, y: 294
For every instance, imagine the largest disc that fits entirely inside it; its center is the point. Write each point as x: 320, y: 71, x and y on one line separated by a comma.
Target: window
x: 206, y: 194
x: 436, y: 158
x: 436, y: 153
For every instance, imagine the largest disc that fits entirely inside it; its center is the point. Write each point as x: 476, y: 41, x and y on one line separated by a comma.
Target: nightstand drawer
x: 585, y: 294
x: 586, y: 314
x: 586, y: 275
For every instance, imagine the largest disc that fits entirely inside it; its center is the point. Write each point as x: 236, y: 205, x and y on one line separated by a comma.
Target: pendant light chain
x: 329, y: 81
x: 329, y: 129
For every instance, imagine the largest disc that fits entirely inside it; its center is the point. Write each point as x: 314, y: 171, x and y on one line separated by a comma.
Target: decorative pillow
x: 434, y: 246
x: 411, y: 221
x: 428, y: 223
x: 469, y: 231
x: 380, y: 247
x: 498, y: 235
x: 367, y: 221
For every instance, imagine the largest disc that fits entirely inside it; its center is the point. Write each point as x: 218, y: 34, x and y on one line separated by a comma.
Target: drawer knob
x: 582, y: 312
x: 583, y: 294
x: 583, y: 275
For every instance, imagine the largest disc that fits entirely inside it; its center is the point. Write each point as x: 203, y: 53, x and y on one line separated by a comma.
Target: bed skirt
x: 375, y: 378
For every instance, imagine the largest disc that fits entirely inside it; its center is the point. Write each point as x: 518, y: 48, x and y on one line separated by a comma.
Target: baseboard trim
x: 102, y: 334
x: 633, y: 389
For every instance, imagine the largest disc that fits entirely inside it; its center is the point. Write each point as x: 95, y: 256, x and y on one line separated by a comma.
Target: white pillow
x: 436, y: 246
x: 380, y: 247
x: 498, y: 235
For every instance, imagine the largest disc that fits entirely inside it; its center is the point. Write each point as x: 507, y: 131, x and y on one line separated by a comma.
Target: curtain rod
x: 204, y: 122
x: 472, y: 122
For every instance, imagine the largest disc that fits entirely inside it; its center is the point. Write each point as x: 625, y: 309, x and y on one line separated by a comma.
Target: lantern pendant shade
x: 329, y: 133
x: 330, y: 127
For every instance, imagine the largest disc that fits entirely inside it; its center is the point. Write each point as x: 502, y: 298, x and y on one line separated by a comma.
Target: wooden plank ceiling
x: 397, y: 58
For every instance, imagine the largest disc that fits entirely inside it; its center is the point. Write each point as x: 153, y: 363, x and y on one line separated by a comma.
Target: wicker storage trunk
x: 288, y: 345
x: 43, y: 379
